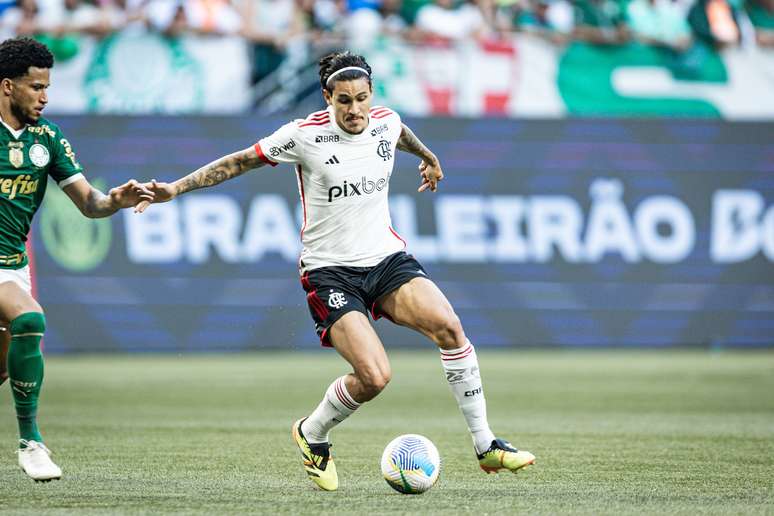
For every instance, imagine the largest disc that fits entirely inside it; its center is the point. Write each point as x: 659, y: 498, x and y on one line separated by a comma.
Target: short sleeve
x: 396, y: 120
x: 283, y: 146
x: 382, y: 114
x: 64, y: 168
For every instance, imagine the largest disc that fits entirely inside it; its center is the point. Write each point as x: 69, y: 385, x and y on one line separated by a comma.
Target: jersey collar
x: 15, y: 132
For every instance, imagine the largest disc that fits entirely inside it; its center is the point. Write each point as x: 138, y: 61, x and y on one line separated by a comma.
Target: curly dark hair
x: 338, y: 60
x: 18, y: 54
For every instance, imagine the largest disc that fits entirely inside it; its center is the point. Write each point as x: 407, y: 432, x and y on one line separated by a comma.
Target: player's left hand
x: 130, y: 194
x: 162, y: 192
x: 431, y: 174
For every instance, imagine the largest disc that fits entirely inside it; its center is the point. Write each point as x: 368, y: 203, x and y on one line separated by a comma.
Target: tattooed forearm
x: 219, y: 170
x: 98, y: 205
x: 409, y: 142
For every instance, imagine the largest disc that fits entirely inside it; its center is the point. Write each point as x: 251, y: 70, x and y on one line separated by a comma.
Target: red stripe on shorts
x: 317, y: 305
x: 305, y: 282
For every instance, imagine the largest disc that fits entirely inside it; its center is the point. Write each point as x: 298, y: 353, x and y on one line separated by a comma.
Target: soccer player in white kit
x: 353, y: 262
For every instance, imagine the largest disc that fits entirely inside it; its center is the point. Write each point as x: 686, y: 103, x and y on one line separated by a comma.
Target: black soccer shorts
x: 333, y: 291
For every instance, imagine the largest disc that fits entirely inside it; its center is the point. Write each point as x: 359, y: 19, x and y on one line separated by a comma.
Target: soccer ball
x: 410, y: 464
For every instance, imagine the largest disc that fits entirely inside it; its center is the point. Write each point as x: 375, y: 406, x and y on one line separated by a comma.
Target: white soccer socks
x: 336, y: 406
x: 462, y: 373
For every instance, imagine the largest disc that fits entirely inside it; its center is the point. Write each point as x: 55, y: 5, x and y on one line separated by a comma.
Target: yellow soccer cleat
x: 501, y: 455
x: 318, y: 462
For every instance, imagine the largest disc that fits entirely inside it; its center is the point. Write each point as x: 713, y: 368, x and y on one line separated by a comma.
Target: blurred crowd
x: 272, y: 26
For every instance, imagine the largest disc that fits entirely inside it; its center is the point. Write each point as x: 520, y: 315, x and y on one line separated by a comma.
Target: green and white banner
x: 135, y: 72
x: 530, y: 77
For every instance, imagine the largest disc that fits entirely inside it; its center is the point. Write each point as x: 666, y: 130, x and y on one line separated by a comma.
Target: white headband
x: 346, y: 68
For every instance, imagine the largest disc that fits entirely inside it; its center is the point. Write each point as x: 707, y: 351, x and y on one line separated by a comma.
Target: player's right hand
x: 163, y: 192
x: 431, y: 173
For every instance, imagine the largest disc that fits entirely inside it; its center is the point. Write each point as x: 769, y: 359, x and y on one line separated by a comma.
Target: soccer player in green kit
x: 31, y: 149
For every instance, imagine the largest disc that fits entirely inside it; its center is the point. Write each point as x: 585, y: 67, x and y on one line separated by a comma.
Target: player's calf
x: 464, y: 378
x: 25, y: 369
x: 5, y: 340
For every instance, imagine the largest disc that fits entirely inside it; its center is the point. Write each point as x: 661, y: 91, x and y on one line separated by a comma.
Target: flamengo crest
x: 336, y: 300
x: 384, y: 150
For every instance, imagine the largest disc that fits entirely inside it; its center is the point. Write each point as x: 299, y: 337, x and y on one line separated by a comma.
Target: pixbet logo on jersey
x: 349, y: 189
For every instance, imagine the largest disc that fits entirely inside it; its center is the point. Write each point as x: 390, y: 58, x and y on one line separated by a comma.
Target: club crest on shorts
x: 39, y: 155
x: 336, y: 300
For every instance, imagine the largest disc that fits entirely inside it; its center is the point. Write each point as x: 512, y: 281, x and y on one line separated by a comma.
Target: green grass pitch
x: 614, y: 433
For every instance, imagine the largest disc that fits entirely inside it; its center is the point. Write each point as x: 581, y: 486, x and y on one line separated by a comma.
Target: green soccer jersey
x: 27, y: 157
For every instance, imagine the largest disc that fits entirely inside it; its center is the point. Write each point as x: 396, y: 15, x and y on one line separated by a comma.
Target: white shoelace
x: 32, y: 447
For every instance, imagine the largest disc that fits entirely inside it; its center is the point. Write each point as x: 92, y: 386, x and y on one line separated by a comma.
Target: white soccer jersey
x: 343, y: 180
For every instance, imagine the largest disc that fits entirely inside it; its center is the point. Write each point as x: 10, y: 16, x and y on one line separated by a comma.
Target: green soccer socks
x: 25, y: 369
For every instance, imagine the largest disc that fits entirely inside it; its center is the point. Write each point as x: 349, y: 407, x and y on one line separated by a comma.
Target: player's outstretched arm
x: 94, y: 204
x: 227, y: 167
x: 429, y: 167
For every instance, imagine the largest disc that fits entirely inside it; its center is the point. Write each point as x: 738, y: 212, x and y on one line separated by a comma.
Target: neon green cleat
x: 501, y: 455
x: 318, y: 462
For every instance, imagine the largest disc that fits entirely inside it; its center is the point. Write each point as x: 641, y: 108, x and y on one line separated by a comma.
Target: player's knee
x: 373, y: 381
x: 448, y: 332
x: 29, y: 323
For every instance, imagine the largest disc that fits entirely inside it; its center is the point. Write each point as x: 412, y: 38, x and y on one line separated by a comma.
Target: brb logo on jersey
x: 348, y: 189
x: 384, y: 150
x: 379, y: 130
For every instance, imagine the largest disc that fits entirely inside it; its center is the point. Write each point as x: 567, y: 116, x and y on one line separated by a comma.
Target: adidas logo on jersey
x: 333, y: 161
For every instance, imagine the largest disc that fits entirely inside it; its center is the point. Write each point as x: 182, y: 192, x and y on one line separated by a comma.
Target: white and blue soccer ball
x: 411, y: 464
